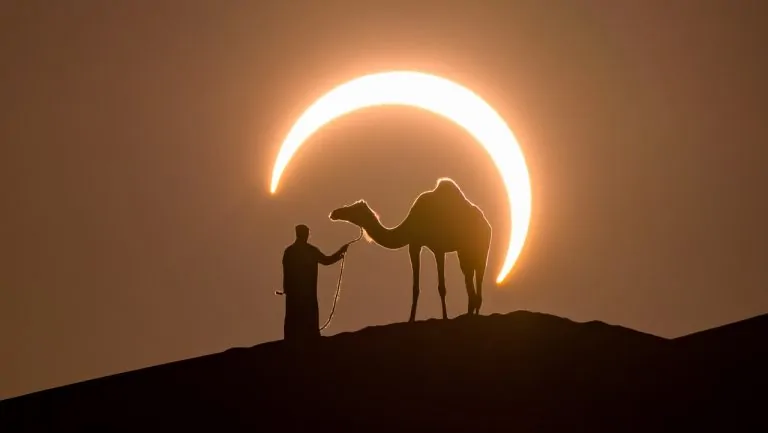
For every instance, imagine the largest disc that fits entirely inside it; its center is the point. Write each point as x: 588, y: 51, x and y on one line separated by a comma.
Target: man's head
x: 302, y: 233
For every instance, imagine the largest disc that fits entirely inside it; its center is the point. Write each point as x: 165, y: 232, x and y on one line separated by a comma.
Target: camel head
x: 357, y: 213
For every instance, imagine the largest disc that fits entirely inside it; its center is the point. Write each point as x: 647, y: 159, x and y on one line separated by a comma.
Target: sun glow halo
x: 442, y: 97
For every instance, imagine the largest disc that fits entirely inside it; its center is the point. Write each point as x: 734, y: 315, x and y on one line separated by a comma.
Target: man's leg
x: 309, y: 328
x: 289, y: 324
x: 313, y: 328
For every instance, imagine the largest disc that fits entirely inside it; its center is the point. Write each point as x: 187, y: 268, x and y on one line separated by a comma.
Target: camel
x: 443, y: 220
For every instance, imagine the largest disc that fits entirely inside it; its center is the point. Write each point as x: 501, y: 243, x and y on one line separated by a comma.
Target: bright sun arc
x: 442, y: 97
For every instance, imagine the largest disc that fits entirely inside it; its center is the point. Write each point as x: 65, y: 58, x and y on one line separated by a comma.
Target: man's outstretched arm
x: 333, y: 258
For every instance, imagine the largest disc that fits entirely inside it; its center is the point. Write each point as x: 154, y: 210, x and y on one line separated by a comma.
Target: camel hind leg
x: 441, y: 289
x: 415, y: 253
x: 479, y: 274
x: 481, y: 261
x: 468, y: 270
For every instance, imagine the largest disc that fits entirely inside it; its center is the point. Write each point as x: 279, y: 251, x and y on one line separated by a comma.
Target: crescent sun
x: 440, y: 96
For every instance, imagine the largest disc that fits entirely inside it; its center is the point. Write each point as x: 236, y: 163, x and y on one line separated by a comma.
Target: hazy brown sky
x: 138, y: 139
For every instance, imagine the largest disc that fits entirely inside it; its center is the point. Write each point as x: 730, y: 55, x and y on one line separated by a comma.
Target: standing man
x: 300, y: 261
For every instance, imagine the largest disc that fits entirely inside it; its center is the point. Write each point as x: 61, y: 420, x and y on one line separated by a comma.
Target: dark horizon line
x: 387, y: 325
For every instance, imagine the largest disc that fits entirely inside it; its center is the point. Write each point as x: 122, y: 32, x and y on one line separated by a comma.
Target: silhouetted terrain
x: 519, y: 372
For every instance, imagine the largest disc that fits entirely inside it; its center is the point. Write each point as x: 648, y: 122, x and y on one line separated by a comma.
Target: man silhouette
x: 300, y: 261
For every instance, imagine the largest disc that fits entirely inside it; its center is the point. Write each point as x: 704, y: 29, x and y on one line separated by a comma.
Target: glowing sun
x: 442, y: 97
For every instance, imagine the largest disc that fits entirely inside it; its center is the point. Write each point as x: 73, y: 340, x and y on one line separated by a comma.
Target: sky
x: 138, y: 140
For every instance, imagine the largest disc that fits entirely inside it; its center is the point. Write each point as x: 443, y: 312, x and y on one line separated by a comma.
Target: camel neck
x: 391, y: 238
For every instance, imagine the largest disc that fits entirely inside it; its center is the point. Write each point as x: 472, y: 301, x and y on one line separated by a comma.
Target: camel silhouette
x: 443, y: 220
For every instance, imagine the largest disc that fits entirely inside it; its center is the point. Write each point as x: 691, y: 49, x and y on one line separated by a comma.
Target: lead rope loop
x: 338, y: 284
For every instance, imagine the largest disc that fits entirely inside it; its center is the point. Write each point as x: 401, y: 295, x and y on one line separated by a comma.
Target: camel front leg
x: 440, y: 260
x: 415, y: 253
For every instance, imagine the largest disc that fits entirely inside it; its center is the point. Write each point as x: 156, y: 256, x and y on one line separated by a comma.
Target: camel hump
x: 445, y: 183
x: 445, y: 197
x: 447, y: 187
